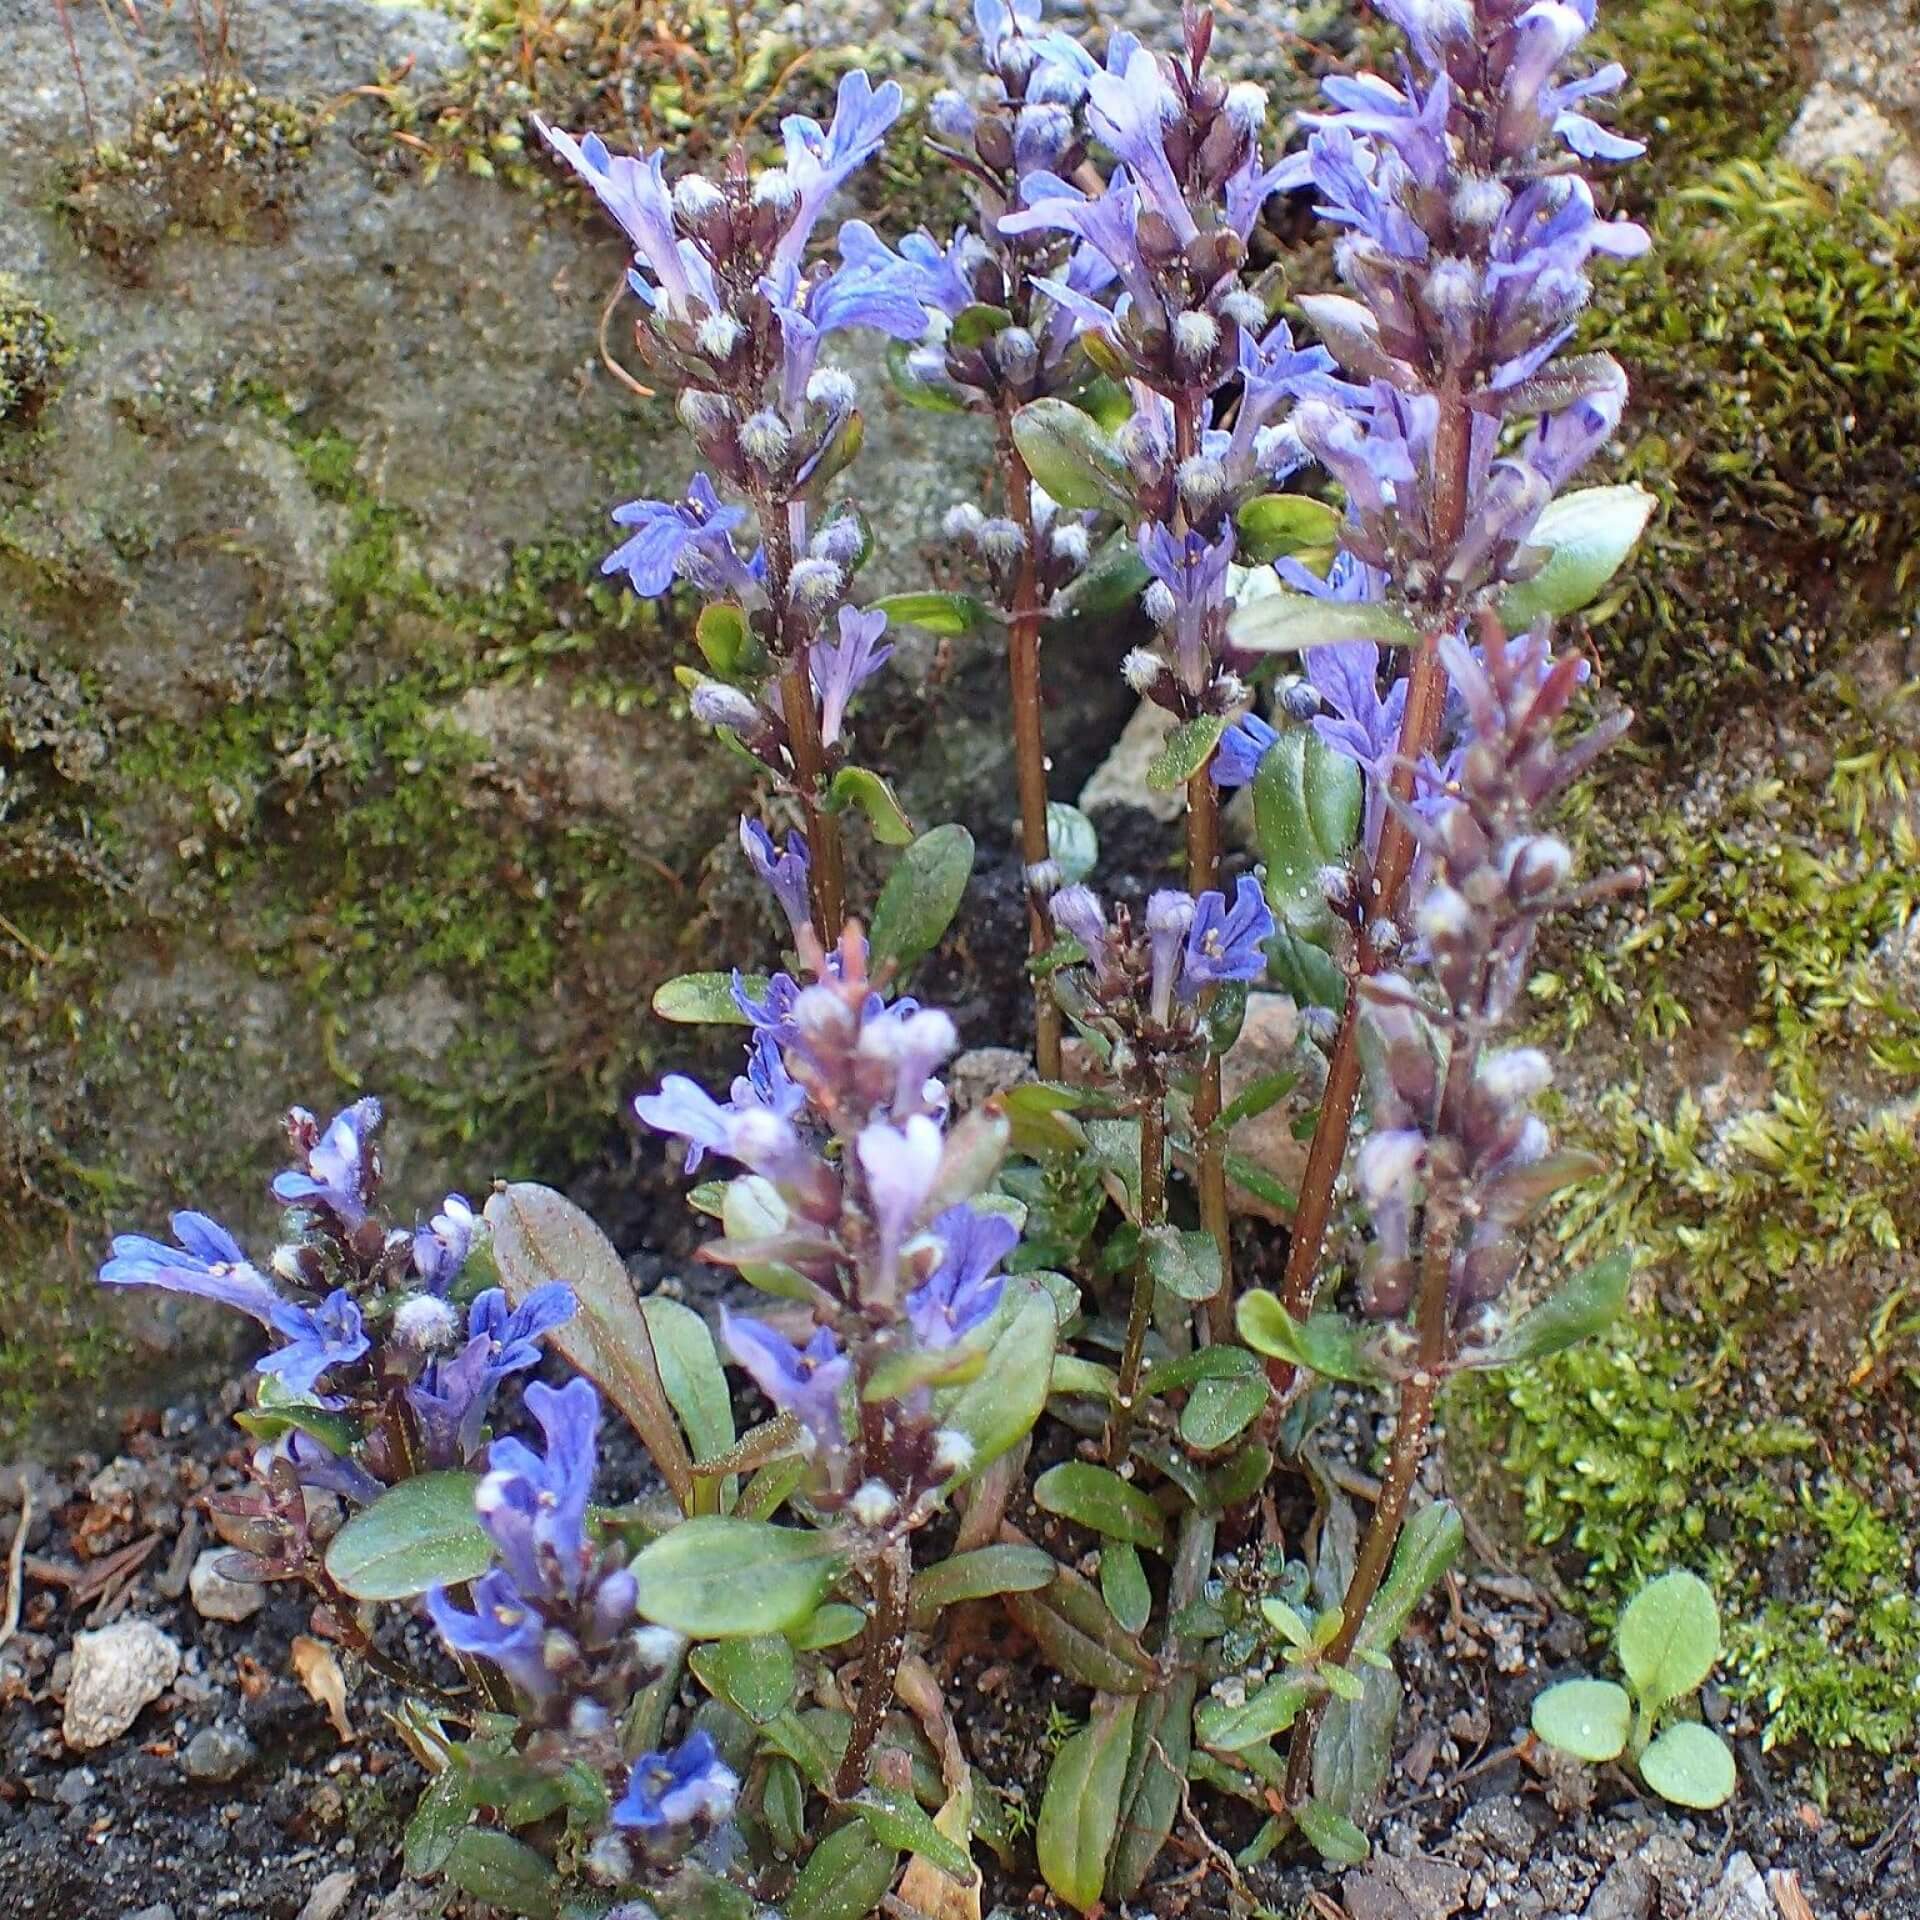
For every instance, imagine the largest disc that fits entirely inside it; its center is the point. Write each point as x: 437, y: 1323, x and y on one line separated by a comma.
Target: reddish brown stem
x: 827, y: 876
x: 1153, y: 1213
x: 886, y: 1641
x: 1029, y: 742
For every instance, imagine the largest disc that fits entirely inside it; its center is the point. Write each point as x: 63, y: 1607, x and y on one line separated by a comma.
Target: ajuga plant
x: 725, y: 1692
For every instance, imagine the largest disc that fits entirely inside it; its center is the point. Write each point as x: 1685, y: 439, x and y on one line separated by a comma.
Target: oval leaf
x: 1668, y: 1638
x: 1070, y: 455
x: 719, y: 1578
x: 1219, y: 1411
x: 690, y: 1371
x: 1306, y: 814
x: 921, y: 896
x: 1097, y: 1498
x: 1072, y: 842
x: 978, y: 1575
x: 1187, y: 1264
x: 1001, y: 1406
x: 1123, y: 1585
x: 502, y: 1871
x: 705, y: 999
x: 863, y: 788
x: 1589, y: 1719
x: 943, y: 613
x: 1691, y: 1766
x: 1589, y: 1303
x: 419, y: 1534
x: 1080, y: 1810
x: 1324, y: 1343
x: 1185, y: 751
x: 1281, y: 523
x: 1586, y: 537
x: 846, y: 1876
x: 1335, y: 1838
x: 754, y: 1677
x: 902, y: 1822
x: 1289, y: 622
x: 1269, y: 1711
x: 1429, y: 1545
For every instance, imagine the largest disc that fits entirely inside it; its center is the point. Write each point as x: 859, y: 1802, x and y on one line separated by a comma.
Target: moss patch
x: 31, y: 356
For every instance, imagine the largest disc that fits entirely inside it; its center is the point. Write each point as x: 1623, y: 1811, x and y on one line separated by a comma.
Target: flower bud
x: 718, y: 335
x: 1246, y: 107
x: 1041, y: 136
x: 839, y: 541
x: 766, y: 439
x: 1195, y: 335
x: 1043, y: 878
x: 1244, y: 308
x: 952, y: 1451
x: 774, y: 188
x: 832, y: 389
x: 1537, y: 868
x: 814, y: 585
x: 1443, y: 917
x: 1518, y: 1074
x: 1142, y: 670
x: 950, y: 117
x: 963, y: 522
x: 1071, y: 544
x: 872, y: 1504
x: 696, y: 200
x: 609, y: 1861
x: 1158, y: 603
x: 425, y: 1323
x: 1202, y: 481
x: 1002, y: 541
x: 715, y: 704
x: 704, y: 414
x: 657, y: 1649
x: 1014, y: 351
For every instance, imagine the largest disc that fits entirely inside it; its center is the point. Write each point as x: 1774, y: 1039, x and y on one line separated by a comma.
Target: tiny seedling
x: 1668, y: 1639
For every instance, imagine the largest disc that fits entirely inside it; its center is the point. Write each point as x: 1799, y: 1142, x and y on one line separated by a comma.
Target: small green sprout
x: 1668, y: 1639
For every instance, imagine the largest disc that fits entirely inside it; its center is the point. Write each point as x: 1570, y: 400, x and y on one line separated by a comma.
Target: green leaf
x: 751, y: 1211
x: 912, y: 389
x: 1334, y: 1837
x: 690, y: 1371
x: 1097, y: 1498
x: 1290, y: 622
x: 439, y: 1819
x: 1072, y: 456
x: 1587, y: 1304
x: 419, y: 1534
x: 722, y: 634
x: 846, y: 1876
x: 1123, y: 1585
x: 1325, y: 1343
x: 1589, y: 1719
x: 1690, y: 1765
x: 1072, y: 841
x: 863, y: 788
x: 720, y: 1578
x: 1306, y: 971
x: 899, y: 1820
x: 978, y: 1575
x: 1353, y: 1750
x: 1273, y: 524
x: 783, y: 1804
x: 1288, y: 1622
x: 921, y: 896
x: 1219, y: 1411
x: 832, y: 1625
x: 1429, y: 1545
x: 1151, y: 1795
x: 755, y: 1677
x: 541, y: 1236
x: 1239, y: 1479
x: 1111, y: 580
x: 1080, y: 1810
x: 1185, y: 751
x: 1668, y: 1638
x: 705, y: 999
x: 1080, y: 1637
x: 1585, y: 537
x: 504, y: 1872
x: 1186, y: 1264
x: 280, y: 1413
x: 974, y: 326
x: 1306, y: 813
x: 1001, y: 1406
x: 1256, y: 1098
x: 1203, y: 1363
x: 1270, y: 1710
x: 1038, y: 1114
x: 950, y: 614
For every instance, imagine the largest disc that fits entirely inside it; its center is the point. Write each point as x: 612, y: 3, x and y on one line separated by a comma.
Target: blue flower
x: 964, y: 1289
x: 207, y: 1263
x: 688, y: 1786
x: 1107, y: 222
x: 1242, y: 747
x: 533, y: 1506
x: 1168, y: 918
x: 785, y: 874
x: 841, y: 667
x: 899, y: 1163
x: 1227, y: 943
x: 329, y: 1335
x: 1359, y: 721
x: 1077, y: 912
x: 772, y: 1013
x: 817, y: 162
x: 804, y: 1381
x: 341, y: 1169
x: 1272, y: 371
x: 503, y: 1627
x: 453, y: 1397
x: 440, y: 1248
x: 1192, y: 578
x: 635, y: 193
x: 670, y: 537
x: 318, y: 1466
x: 1130, y: 111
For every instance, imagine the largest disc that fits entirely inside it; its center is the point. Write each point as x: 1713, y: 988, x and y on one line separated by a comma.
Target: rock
x: 1268, y: 1038
x: 1625, y: 1894
x: 217, y: 1754
x: 329, y: 1896
x: 115, y: 1673
x: 981, y: 1072
x: 1390, y: 1889
x: 1862, y: 112
x: 1121, y: 778
x: 216, y: 1595
x: 159, y: 1911
x: 1741, y: 1894
x: 1502, y: 1827
x: 75, y: 1787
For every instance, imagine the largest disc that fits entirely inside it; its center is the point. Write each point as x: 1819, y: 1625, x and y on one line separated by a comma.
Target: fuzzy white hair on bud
x: 609, y: 1861
x: 1275, y: 448
x: 1517, y: 1074
x: 1244, y: 308
x: 1336, y: 887
x: 694, y: 199
x: 1443, y: 916
x: 1158, y: 604
x: 1452, y: 287
x: 657, y: 1648
x: 703, y: 413
x: 775, y: 188
x: 765, y: 437
x: 1478, y: 201
x: 872, y: 1504
x: 425, y: 1323
x: 814, y: 584
x: 1071, y: 543
x: 952, y: 1451
x: 1002, y: 541
x: 1195, y: 334
x: 718, y: 334
x: 832, y: 389
x: 1141, y: 443
x: 1142, y: 670
x: 285, y: 1263
x: 1043, y: 878
x: 963, y: 521
x: 715, y: 704
x: 1246, y: 106
x: 1202, y: 480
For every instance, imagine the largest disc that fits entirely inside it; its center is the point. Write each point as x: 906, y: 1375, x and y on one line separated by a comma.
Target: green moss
x: 31, y: 356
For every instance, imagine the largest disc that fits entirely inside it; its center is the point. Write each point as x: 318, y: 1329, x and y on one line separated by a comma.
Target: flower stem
x: 1153, y: 1213
x: 885, y: 1643
x: 1029, y: 740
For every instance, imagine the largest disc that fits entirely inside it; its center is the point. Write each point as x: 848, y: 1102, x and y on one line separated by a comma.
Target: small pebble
x: 217, y: 1596
x: 327, y: 1899
x: 217, y: 1753
x: 115, y: 1673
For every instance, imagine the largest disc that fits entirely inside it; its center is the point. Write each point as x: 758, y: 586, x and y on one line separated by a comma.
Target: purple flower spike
x: 818, y: 162
x: 964, y: 1289
x: 689, y: 1786
x: 1236, y: 761
x: 340, y: 1171
x: 786, y: 873
x: 207, y: 1263
x: 841, y: 667
x: 440, y: 1248
x: 1227, y: 943
x: 502, y: 1628
x: 1169, y: 916
x: 1129, y: 111
x: 534, y: 1508
x: 804, y: 1381
x: 900, y: 1163
x: 329, y: 1335
x: 1077, y: 911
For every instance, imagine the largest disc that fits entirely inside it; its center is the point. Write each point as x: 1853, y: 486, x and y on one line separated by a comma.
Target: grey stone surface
x: 1863, y: 110
x: 217, y: 1754
x: 215, y: 1595
x: 115, y: 1673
